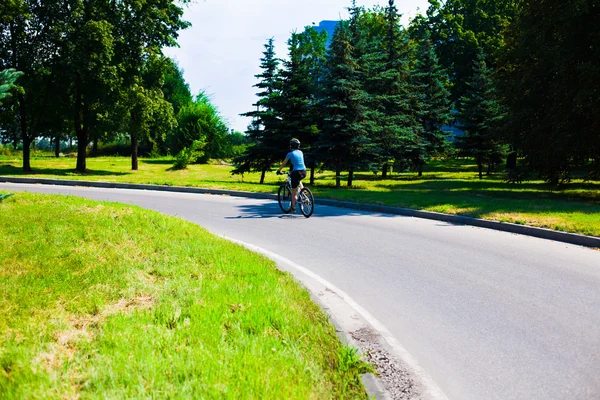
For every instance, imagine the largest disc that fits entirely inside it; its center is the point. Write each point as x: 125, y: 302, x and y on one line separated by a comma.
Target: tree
x: 460, y: 27
x: 480, y: 115
x: 433, y: 101
x: 176, y: 90
x: 200, y: 121
x: 344, y: 139
x: 142, y: 29
x: 29, y: 46
x: 313, y: 52
x: 395, y: 127
x: 263, y: 131
x: 297, y: 103
x: 550, y: 78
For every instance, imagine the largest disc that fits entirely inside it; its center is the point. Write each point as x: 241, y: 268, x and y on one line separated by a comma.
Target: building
x: 329, y: 27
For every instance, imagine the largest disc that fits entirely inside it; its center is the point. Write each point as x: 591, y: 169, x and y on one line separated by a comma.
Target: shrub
x: 7, y: 150
x: 189, y: 155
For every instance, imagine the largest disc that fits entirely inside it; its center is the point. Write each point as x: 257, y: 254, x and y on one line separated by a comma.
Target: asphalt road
x: 487, y: 314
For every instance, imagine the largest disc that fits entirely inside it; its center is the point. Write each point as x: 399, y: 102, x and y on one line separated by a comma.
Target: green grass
x: 101, y: 300
x: 450, y: 187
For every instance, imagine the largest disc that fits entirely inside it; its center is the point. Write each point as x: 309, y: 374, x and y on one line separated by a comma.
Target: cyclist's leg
x: 295, y: 182
x: 301, y: 175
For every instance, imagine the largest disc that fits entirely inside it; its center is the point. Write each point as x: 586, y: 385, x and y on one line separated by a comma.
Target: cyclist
x: 296, y: 157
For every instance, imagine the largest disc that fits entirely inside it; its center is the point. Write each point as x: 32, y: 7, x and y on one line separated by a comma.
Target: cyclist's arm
x: 283, y: 164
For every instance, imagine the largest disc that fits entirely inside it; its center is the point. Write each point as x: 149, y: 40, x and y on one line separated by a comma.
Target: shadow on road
x: 272, y: 210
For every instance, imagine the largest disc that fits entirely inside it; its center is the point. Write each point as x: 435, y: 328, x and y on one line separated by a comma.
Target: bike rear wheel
x: 284, y: 197
x: 306, y: 202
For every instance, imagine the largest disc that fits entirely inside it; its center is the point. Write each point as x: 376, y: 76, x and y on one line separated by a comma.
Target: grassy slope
x: 103, y: 300
x: 445, y: 187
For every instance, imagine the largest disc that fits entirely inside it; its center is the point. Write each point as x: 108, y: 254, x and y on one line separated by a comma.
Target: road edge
x: 347, y: 317
x: 542, y: 233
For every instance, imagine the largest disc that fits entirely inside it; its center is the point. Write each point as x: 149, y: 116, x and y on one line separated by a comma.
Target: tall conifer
x: 343, y: 141
x: 480, y: 115
x: 433, y: 103
x: 262, y: 132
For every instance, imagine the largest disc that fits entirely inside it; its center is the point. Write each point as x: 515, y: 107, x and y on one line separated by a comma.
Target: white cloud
x: 220, y: 53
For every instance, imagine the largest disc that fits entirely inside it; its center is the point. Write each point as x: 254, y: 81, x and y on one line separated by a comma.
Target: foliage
x: 460, y: 27
x: 432, y: 101
x: 8, y: 78
x: 175, y: 89
x: 551, y: 83
x: 267, y: 143
x: 297, y: 104
x: 344, y: 140
x: 480, y: 116
x: 395, y: 127
x: 201, y: 121
x: 189, y: 155
x: 83, y: 63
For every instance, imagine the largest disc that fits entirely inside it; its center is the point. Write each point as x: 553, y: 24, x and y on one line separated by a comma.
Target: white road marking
x: 431, y: 389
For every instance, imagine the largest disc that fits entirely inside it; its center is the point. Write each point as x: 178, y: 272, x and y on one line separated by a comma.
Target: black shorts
x: 297, y: 176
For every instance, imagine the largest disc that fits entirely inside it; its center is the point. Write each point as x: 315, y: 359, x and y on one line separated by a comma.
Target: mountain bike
x: 304, y: 199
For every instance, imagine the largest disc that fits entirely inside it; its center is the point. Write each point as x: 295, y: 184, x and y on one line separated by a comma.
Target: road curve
x: 488, y: 314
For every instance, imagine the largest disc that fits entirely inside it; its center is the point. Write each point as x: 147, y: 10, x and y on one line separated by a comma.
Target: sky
x: 220, y: 52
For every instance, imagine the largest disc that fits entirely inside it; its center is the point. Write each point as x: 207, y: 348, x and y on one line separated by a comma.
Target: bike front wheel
x: 306, y: 202
x: 284, y: 197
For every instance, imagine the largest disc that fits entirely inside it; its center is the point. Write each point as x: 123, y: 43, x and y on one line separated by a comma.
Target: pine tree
x: 263, y: 132
x: 393, y: 92
x: 344, y: 140
x: 480, y: 115
x: 295, y: 105
x: 313, y: 52
x: 433, y: 103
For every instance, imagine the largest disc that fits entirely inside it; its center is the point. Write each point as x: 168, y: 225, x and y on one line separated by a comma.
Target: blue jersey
x: 297, y: 159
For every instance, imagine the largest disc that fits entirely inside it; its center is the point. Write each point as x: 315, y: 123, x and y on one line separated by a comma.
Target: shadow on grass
x: 590, y: 191
x: 18, y: 171
x: 157, y: 162
x: 474, y: 204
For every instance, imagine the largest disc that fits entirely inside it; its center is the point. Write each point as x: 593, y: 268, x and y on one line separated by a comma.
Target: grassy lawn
x: 101, y: 300
x: 451, y: 187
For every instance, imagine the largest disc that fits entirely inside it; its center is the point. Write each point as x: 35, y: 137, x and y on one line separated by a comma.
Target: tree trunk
x: 489, y: 169
x: 95, y: 148
x: 82, y: 142
x: 134, y: 151
x: 337, y: 178
x: 480, y: 166
x: 70, y: 142
x: 312, y: 173
x: 262, y: 176
x: 81, y: 132
x: 27, y: 154
x: 24, y: 136
x: 57, y: 146
x: 350, y: 177
x: 420, y: 168
x: 384, y: 171
x: 511, y: 160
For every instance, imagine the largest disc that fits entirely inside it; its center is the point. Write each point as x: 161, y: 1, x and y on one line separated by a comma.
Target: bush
x: 7, y: 150
x: 189, y: 155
